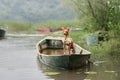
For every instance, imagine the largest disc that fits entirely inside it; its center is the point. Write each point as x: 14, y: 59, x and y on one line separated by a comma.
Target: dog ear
x: 62, y: 28
x: 68, y: 28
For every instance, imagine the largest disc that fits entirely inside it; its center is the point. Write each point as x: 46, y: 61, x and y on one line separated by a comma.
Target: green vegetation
x: 16, y: 27
x: 99, y: 51
x: 23, y: 27
x: 74, y: 23
x: 97, y: 14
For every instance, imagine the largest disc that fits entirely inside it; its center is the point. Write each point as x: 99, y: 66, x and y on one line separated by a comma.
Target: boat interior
x: 51, y: 47
x: 55, y: 47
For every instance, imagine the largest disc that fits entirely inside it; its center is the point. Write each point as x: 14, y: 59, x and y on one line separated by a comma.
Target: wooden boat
x: 2, y: 33
x: 50, y: 52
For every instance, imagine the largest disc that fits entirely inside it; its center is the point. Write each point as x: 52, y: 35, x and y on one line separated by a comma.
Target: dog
x: 68, y: 42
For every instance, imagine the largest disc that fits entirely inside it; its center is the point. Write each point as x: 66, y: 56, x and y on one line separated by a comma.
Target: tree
x: 113, y: 15
x: 101, y: 13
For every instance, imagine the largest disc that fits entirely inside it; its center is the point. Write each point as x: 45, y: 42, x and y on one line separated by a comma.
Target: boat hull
x: 51, y: 52
x: 65, y: 61
x: 2, y: 33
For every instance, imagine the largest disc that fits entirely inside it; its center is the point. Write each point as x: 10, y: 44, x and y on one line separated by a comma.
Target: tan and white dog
x: 68, y: 42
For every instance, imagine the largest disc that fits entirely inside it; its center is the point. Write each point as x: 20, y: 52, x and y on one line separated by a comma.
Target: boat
x: 2, y: 33
x: 51, y: 52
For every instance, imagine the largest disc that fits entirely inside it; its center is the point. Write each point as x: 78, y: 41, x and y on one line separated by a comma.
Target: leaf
x: 50, y: 79
x: 52, y: 73
x: 99, y: 62
x: 78, y: 72
x: 109, y: 71
x: 87, y: 79
x: 91, y: 72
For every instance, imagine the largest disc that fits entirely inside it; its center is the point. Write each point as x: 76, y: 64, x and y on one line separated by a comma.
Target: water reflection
x: 78, y: 74
x: 103, y: 70
x: 18, y: 59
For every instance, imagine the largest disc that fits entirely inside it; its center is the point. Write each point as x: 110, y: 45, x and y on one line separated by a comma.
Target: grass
x: 59, y: 24
x: 16, y: 27
x: 103, y: 51
x: 24, y: 27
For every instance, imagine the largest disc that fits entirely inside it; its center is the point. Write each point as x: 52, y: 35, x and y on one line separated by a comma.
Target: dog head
x: 65, y: 30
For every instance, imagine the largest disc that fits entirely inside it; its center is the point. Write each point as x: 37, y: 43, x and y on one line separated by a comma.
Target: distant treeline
x: 34, y: 10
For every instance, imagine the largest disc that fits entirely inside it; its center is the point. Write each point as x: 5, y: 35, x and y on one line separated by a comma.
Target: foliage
x: 113, y: 8
x: 99, y: 51
x: 97, y: 14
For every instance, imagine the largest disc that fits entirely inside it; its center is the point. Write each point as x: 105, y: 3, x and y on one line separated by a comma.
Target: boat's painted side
x: 65, y: 61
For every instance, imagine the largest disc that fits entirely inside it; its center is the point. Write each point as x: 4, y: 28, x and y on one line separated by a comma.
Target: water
x: 18, y: 61
x: 53, y: 52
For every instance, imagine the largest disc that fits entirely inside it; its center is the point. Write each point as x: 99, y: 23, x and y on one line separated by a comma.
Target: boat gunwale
x: 63, y: 54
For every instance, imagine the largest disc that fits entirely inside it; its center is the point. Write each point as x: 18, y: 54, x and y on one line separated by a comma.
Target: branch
x: 92, y: 10
x: 78, y: 7
x: 89, y: 3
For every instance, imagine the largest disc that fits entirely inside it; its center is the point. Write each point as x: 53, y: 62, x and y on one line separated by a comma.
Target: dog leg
x: 73, y: 50
x: 64, y: 49
x: 69, y: 49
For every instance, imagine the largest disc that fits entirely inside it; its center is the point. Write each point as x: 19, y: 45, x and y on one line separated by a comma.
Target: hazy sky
x: 34, y: 10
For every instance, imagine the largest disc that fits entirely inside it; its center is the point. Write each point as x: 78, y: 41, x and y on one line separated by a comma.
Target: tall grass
x: 102, y: 51
x: 74, y: 23
x: 26, y: 27
x: 18, y: 27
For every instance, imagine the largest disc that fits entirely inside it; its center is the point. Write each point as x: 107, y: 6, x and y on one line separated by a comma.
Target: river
x: 18, y: 61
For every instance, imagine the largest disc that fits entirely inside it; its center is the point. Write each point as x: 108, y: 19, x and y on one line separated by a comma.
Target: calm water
x: 18, y: 61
